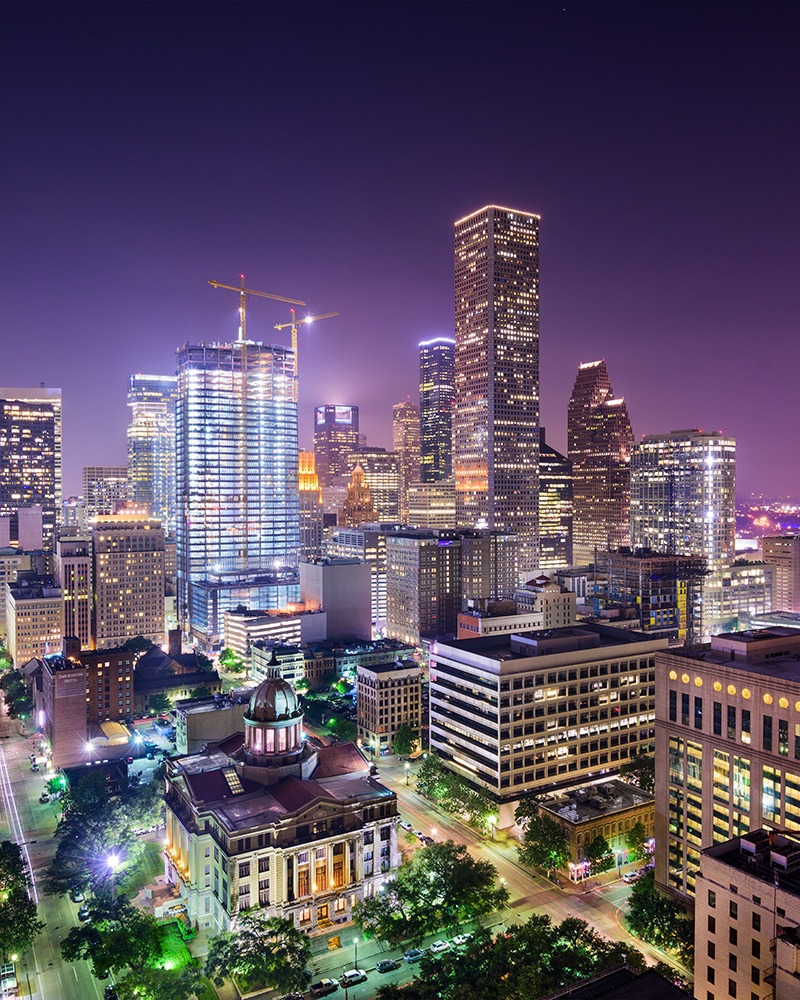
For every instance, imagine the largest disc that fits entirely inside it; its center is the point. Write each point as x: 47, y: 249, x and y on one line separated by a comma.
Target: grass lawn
x: 206, y: 991
x: 151, y: 864
x: 175, y: 954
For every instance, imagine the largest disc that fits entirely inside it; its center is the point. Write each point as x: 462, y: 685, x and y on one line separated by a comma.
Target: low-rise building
x: 388, y: 695
x: 290, y: 661
x: 556, y: 603
x: 336, y: 658
x: 496, y: 618
x: 245, y: 627
x: 175, y: 675
x: 34, y: 609
x: 199, y: 721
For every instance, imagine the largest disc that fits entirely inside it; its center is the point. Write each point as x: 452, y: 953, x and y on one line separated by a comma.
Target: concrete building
x: 432, y: 506
x: 405, y: 444
x: 265, y: 820
x: 105, y: 489
x: 340, y: 588
x: 34, y: 610
x: 727, y: 744
x: 747, y: 913
x: 555, y: 507
x: 335, y: 436
x: 489, y: 565
x: 367, y: 544
x: 74, y: 574
x: 542, y: 595
x: 423, y: 585
x: 312, y: 510
x: 23, y: 529
x: 497, y: 618
x: 437, y: 374
x: 244, y: 628
x: 30, y: 453
x: 199, y: 721
x: 63, y: 707
x: 383, y: 475
x: 496, y: 411
x: 530, y: 713
x: 599, y: 442
x: 332, y: 658
x: 128, y: 570
x: 151, y: 446
x: 12, y: 562
x: 783, y: 553
x: 358, y: 507
x: 388, y: 695
x: 274, y: 658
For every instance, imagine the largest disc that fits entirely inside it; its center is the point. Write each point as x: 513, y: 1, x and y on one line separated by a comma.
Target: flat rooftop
x: 587, y: 636
x: 769, y: 857
x: 596, y: 799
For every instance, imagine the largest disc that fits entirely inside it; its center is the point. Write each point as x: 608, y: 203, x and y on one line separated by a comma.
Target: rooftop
x: 769, y: 857
x: 596, y: 799
x: 548, y: 642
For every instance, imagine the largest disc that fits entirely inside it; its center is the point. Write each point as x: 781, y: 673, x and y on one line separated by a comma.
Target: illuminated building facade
x: 782, y: 552
x: 74, y: 575
x: 105, y: 489
x: 496, y: 411
x: 423, y: 585
x: 388, y: 695
x: 405, y: 442
x: 437, y: 379
x: 33, y: 617
x: 238, y: 526
x: 151, y: 445
x: 432, y: 505
x: 335, y: 436
x: 30, y: 454
x: 311, y: 509
x: 358, y: 506
x: 555, y: 507
x: 727, y: 744
x: 383, y: 475
x: 599, y: 441
x: 489, y: 565
x: 366, y: 543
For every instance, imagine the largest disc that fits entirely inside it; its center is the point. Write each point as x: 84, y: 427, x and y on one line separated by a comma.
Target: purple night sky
x: 326, y: 149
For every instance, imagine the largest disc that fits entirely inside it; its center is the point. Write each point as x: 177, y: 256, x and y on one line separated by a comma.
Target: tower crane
x: 295, y: 323
x: 243, y: 293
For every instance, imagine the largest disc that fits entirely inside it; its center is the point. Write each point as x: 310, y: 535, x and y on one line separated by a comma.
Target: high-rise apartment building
x: 238, y: 526
x: 496, y: 411
x: 783, y: 553
x: 151, y: 445
x: 33, y: 617
x: 128, y: 551
x: 599, y: 441
x: 437, y: 379
x: 335, y: 436
x: 311, y: 509
x: 30, y: 453
x: 74, y: 576
x: 105, y: 489
x: 555, y: 507
x: 383, y: 475
x: 405, y: 442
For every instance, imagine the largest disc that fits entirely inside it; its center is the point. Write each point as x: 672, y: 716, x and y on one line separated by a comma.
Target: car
x: 296, y: 995
x: 439, y: 946
x: 404, y: 825
x: 83, y: 912
x: 150, y: 755
x: 44, y: 797
x: 426, y: 840
x: 76, y: 895
x: 35, y: 767
x: 353, y: 977
x: 419, y: 833
x: 413, y: 955
x: 110, y: 993
x: 387, y: 965
x: 461, y: 939
x: 631, y: 877
x: 323, y: 987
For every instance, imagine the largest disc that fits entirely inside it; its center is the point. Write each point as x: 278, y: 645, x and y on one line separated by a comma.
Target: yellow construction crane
x: 295, y: 323
x: 243, y: 293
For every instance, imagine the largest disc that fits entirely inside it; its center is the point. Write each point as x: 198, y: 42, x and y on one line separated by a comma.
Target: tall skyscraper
x: 783, y: 552
x: 555, y: 507
x: 496, y: 413
x: 405, y: 441
x: 311, y: 509
x: 105, y: 489
x: 599, y: 441
x: 238, y: 520
x: 151, y: 445
x: 437, y: 380
x: 335, y: 435
x: 74, y: 576
x: 30, y: 454
x: 382, y: 473
x: 358, y: 508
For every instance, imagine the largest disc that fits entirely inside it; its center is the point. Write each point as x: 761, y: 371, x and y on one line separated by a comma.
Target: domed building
x: 265, y: 818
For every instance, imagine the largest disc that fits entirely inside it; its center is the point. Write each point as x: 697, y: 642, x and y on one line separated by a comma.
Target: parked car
x: 426, y: 840
x: 110, y: 993
x: 76, y: 895
x: 35, y: 767
x: 413, y: 955
x: 353, y: 977
x: 419, y: 834
x: 439, y: 946
x: 631, y: 877
x: 44, y: 797
x: 387, y: 965
x: 83, y: 912
x: 323, y: 987
x: 297, y: 995
x: 461, y: 939
x: 404, y: 825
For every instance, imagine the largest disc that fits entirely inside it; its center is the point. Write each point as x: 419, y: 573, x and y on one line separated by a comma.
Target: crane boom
x: 294, y: 323
x: 243, y: 293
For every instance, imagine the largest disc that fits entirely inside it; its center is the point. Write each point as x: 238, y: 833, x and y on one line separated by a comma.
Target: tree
x: 405, y: 740
x: 260, y: 950
x: 453, y: 793
x: 159, y: 984
x: 345, y: 729
x: 15, y: 694
x: 231, y: 661
x: 544, y: 842
x: 138, y: 645
x: 159, y: 703
x: 658, y: 919
x: 635, y: 840
x: 19, y: 924
x: 201, y: 692
x: 117, y: 936
x: 599, y: 853
x: 203, y: 661
x: 641, y: 770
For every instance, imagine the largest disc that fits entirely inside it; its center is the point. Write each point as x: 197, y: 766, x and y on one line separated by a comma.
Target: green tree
x: 19, y: 924
x: 544, y: 842
x: 159, y: 703
x: 635, y: 840
x: 138, y: 645
x: 599, y: 853
x: 15, y: 694
x: 116, y: 937
x: 159, y: 984
x: 231, y: 661
x: 658, y: 919
x: 405, y: 740
x: 200, y: 692
x: 345, y: 729
x: 430, y: 780
x: 641, y: 769
x: 261, y: 951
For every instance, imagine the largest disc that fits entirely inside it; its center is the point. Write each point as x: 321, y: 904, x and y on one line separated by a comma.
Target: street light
x: 491, y: 820
x: 408, y: 768
x: 355, y: 960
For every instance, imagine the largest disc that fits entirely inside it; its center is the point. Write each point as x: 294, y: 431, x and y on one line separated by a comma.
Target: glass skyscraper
x: 151, y: 445
x: 555, y: 507
x: 496, y: 414
x: 437, y: 377
x: 238, y: 530
x: 335, y: 435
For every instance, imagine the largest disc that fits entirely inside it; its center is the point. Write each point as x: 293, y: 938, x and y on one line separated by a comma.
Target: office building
x: 23, y: 529
x: 432, y: 506
x: 62, y: 706
x: 33, y: 618
x: 388, y: 695
x: 437, y: 379
x: 496, y: 618
x: 245, y: 627
x: 599, y: 441
x: 555, y: 507
x: 530, y: 713
x: 238, y: 528
x: 332, y: 658
x: 383, y: 475
x: 727, y: 744
x: 341, y: 588
x: 74, y: 575
x: 543, y: 595
x: 128, y: 571
x: 199, y: 721
x: 367, y: 544
x: 30, y: 453
x: 496, y: 411
x: 151, y: 446
x: 263, y: 819
x: 489, y: 566
x: 12, y: 562
x: 423, y: 585
x: 405, y: 442
x: 335, y: 436
x: 783, y: 553
x: 358, y: 507
x: 311, y: 507
x: 105, y: 489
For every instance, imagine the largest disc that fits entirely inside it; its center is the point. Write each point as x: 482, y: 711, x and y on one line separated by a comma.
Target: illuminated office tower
x: 437, y: 379
x: 151, y: 445
x: 105, y: 489
x: 496, y: 412
x: 783, y: 552
x: 599, y: 441
x: 311, y: 509
x: 335, y: 436
x: 382, y: 473
x: 555, y: 507
x: 238, y: 525
x: 405, y: 441
x: 358, y: 508
x: 73, y: 574
x: 30, y: 454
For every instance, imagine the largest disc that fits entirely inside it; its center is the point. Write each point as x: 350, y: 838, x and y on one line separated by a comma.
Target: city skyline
x: 669, y: 212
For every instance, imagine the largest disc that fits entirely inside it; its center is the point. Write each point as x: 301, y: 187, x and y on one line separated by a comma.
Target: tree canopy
x: 635, y: 840
x: 159, y: 984
x: 15, y: 694
x: 437, y: 888
x: 641, y: 769
x: 116, y: 936
x: 544, y: 842
x: 454, y: 794
x: 599, y: 853
x: 660, y: 920
x: 19, y: 924
x: 405, y: 739
x: 260, y: 951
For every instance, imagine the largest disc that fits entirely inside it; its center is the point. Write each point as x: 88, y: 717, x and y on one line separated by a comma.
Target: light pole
x: 491, y: 820
x: 355, y: 946
x: 408, y: 768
